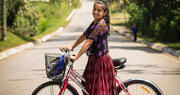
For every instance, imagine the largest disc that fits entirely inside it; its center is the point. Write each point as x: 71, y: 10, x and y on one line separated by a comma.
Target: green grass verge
x: 119, y: 18
x: 12, y: 41
x: 173, y: 45
x: 53, y: 25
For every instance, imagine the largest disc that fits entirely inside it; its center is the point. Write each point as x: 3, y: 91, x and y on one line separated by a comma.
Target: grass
x: 12, y: 41
x: 54, y: 24
x: 173, y: 45
x: 119, y: 19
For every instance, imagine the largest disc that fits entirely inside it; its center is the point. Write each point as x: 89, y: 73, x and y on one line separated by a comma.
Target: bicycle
x: 60, y: 70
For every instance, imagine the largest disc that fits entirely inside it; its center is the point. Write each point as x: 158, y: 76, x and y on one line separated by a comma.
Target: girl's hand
x: 73, y: 58
x: 66, y: 48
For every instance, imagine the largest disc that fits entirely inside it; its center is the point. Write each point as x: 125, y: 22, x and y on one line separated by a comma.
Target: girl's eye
x: 94, y: 9
x: 99, y: 10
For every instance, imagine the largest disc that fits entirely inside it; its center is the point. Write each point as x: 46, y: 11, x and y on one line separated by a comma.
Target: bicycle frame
x: 74, y: 75
x: 70, y: 73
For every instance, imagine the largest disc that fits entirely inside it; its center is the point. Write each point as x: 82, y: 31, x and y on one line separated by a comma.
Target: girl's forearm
x: 84, y: 48
x: 79, y: 41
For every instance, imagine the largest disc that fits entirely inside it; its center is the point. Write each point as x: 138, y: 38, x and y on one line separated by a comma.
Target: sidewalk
x: 6, y: 53
x: 156, y: 46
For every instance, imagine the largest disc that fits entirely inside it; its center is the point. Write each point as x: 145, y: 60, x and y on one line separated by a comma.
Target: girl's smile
x: 98, y: 11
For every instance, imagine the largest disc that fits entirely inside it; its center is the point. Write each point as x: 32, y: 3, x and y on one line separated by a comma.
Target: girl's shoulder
x: 102, y: 22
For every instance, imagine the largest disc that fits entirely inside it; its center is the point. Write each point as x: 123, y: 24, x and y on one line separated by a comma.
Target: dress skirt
x: 99, y: 75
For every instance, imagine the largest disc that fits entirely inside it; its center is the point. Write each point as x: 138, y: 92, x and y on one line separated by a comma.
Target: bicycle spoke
x: 53, y: 90
x: 139, y: 89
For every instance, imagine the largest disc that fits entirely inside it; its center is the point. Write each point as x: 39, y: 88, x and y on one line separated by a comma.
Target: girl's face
x: 98, y: 11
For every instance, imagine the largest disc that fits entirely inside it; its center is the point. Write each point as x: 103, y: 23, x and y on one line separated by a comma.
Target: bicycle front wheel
x: 140, y: 87
x: 53, y: 88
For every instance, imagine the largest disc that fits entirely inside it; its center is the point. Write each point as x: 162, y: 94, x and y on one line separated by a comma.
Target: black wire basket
x: 55, y: 66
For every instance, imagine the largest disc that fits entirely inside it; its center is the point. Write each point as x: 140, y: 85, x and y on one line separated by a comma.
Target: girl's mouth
x: 96, y: 15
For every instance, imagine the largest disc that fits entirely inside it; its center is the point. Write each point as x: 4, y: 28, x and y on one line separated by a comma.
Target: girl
x: 99, y: 72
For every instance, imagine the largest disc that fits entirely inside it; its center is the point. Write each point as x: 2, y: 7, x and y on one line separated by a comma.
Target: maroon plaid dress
x: 99, y: 72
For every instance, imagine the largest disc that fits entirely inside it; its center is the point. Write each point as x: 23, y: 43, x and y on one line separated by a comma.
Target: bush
x: 156, y: 21
x: 25, y: 24
x: 139, y: 16
x: 34, y: 18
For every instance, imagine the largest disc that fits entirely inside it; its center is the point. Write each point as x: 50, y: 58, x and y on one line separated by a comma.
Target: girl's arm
x: 79, y: 41
x: 84, y: 48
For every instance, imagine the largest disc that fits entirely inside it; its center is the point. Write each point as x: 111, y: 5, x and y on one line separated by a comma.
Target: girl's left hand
x: 66, y: 48
x: 73, y: 58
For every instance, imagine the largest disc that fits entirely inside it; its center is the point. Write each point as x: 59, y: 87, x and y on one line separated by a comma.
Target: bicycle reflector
x: 146, y: 89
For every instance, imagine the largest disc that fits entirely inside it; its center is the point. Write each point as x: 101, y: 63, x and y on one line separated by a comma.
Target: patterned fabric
x: 99, y: 75
x: 99, y: 34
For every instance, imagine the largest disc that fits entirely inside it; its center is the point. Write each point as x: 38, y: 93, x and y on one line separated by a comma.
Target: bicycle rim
x: 140, y: 87
x: 52, y: 88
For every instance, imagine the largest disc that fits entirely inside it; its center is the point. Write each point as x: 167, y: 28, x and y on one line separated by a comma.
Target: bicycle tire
x: 43, y: 89
x: 148, y: 87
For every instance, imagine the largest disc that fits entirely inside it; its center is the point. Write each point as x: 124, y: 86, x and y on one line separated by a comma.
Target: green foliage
x: 158, y: 19
x: 75, y: 3
x: 25, y: 24
x: 28, y: 19
x: 115, y: 7
x: 0, y: 12
x: 12, y: 8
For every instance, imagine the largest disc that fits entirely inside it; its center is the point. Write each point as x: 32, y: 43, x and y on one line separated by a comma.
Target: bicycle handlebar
x: 67, y: 54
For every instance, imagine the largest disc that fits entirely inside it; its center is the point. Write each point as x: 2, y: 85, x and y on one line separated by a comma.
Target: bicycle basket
x: 55, y: 66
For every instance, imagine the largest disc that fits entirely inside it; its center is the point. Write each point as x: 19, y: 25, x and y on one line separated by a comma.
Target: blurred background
x: 29, y: 20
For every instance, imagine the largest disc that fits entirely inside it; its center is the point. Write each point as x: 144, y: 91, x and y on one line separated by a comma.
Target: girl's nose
x: 95, y: 11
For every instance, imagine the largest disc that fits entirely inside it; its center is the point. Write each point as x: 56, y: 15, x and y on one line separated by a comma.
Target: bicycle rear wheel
x: 140, y: 87
x: 53, y: 88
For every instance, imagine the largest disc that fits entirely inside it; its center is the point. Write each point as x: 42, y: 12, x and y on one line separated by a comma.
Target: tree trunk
x: 60, y: 6
x: 3, y: 35
x: 70, y: 4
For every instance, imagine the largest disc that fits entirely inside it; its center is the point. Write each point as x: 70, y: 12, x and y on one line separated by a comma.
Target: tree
x: 3, y: 35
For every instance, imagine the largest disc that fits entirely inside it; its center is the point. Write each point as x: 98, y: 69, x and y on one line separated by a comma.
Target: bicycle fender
x: 134, y: 80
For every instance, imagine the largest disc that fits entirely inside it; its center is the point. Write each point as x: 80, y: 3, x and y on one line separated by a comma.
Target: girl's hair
x: 106, y: 9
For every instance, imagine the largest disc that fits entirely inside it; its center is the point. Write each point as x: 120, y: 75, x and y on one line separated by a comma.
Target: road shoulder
x: 156, y: 46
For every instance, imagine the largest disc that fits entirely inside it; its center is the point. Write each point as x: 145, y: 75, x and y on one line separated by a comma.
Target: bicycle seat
x: 119, y: 63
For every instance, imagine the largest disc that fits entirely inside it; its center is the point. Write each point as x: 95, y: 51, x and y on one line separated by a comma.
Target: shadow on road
x: 63, y: 38
x: 119, y: 40
x: 146, y: 49
x: 150, y: 69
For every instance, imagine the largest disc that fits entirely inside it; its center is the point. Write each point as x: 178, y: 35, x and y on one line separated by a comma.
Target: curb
x: 6, y: 53
x: 155, y: 46
x: 12, y: 51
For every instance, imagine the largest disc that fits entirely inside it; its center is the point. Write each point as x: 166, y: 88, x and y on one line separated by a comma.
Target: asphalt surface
x: 23, y: 72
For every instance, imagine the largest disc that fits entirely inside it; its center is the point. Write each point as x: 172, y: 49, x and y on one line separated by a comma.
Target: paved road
x: 22, y: 72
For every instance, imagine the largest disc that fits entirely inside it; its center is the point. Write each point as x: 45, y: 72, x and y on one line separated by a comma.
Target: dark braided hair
x: 106, y: 9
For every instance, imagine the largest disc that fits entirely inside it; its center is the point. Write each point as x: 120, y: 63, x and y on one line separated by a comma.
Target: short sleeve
x: 100, y: 29
x: 87, y: 32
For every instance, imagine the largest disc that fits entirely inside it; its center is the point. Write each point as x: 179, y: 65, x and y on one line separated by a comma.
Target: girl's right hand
x: 66, y: 48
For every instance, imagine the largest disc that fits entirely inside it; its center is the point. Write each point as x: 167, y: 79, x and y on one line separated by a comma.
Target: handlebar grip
x: 72, y: 61
x: 65, y: 50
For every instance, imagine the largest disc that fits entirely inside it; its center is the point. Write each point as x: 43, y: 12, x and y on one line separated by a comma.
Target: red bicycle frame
x: 74, y: 75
